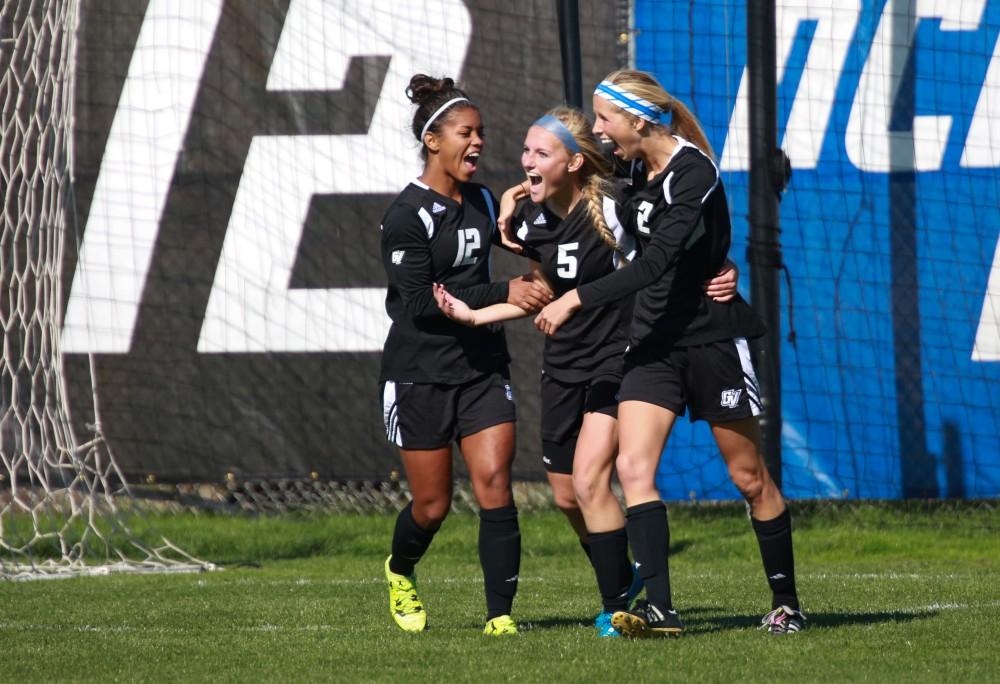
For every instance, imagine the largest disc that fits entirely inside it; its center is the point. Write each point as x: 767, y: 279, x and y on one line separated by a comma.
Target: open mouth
x: 471, y: 160
x: 610, y: 146
x: 534, y: 178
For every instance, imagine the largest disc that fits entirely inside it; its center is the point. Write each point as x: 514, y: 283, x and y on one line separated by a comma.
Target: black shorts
x: 431, y: 416
x: 716, y: 381
x: 563, y: 406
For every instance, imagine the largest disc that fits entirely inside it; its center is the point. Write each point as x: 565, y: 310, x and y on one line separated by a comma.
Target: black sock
x: 775, y: 540
x: 500, y: 556
x: 409, y: 542
x: 585, y: 545
x: 609, y: 556
x: 649, y: 536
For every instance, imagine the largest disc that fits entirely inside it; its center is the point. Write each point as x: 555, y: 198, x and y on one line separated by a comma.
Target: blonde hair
x: 682, y: 121
x: 594, y: 172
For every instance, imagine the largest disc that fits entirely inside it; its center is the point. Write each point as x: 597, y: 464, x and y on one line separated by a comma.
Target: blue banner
x: 889, y: 228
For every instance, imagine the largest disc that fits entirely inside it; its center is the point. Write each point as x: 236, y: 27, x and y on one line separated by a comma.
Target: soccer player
x: 442, y: 381
x: 570, y: 230
x: 686, y: 351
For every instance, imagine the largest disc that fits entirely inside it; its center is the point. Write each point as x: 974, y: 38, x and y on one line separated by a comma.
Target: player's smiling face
x: 459, y: 143
x: 613, y: 125
x: 547, y: 163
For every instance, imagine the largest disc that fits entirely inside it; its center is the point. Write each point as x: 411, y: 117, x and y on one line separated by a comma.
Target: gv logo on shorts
x: 731, y: 398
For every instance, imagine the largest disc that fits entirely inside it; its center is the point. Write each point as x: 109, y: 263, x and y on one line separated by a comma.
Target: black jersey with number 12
x: 428, y: 238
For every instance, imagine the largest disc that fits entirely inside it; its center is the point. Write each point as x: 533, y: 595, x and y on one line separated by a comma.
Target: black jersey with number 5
x: 681, y: 219
x: 570, y: 251
x: 428, y: 238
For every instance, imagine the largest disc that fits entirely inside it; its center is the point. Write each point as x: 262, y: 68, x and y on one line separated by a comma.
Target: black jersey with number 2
x: 428, y: 238
x: 681, y: 219
x: 570, y: 251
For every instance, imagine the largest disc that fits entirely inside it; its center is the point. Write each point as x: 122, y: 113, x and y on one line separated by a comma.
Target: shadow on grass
x: 709, y: 625
x: 554, y: 623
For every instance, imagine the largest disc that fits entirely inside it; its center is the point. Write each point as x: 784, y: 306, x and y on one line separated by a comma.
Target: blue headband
x: 558, y: 129
x: 630, y: 102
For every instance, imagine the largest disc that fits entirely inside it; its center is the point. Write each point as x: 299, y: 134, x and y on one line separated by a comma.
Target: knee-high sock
x: 649, y: 536
x: 775, y: 540
x: 500, y: 556
x: 609, y: 556
x: 409, y: 542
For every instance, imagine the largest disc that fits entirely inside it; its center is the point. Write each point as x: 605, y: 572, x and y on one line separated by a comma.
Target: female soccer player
x: 441, y: 381
x: 685, y: 350
x: 570, y: 230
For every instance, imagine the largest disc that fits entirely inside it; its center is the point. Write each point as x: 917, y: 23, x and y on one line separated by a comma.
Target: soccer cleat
x: 636, y: 586
x: 406, y: 608
x: 501, y: 625
x: 604, y: 626
x: 646, y: 620
x: 783, y: 620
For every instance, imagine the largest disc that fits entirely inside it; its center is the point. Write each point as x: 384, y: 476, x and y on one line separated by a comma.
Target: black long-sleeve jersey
x: 428, y: 238
x: 570, y: 251
x: 681, y: 219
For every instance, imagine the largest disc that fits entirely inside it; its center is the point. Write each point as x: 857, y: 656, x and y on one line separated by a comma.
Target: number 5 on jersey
x: 567, y: 262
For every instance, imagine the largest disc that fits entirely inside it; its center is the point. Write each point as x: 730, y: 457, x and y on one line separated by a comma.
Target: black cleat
x: 783, y: 620
x: 645, y: 620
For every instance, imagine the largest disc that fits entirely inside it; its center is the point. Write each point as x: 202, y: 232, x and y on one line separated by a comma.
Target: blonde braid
x: 593, y: 192
x: 595, y: 170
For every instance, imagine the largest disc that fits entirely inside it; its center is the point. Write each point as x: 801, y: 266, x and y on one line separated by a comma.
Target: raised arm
x: 508, y: 202
x: 657, y: 262
x: 460, y: 312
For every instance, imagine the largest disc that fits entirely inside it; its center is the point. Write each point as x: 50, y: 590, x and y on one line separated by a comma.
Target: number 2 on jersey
x: 642, y: 219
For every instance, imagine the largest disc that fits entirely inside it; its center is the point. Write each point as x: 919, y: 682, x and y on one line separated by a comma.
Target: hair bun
x: 424, y: 88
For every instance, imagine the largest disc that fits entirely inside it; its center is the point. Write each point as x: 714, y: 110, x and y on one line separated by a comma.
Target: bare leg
x: 643, y: 430
x: 739, y: 442
x: 565, y: 499
x: 428, y: 472
x: 596, y: 448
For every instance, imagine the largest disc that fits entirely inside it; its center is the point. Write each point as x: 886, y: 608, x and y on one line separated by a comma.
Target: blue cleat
x: 604, y: 628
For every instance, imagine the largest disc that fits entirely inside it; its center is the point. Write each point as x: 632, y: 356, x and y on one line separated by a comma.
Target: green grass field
x: 893, y: 592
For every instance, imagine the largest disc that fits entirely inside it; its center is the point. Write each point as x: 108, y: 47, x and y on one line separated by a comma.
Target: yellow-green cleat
x: 500, y: 626
x: 406, y: 608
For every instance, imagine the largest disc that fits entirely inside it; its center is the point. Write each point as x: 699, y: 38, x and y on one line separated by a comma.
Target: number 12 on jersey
x: 468, y: 243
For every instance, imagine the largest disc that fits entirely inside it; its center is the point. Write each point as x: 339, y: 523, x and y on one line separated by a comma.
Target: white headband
x: 438, y: 113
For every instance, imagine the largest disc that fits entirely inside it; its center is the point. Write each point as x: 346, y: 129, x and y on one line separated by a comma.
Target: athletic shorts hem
x: 487, y: 424
x: 677, y: 408
x: 730, y: 416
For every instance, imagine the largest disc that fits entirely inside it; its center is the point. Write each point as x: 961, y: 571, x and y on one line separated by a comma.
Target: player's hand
x: 528, y: 293
x: 553, y: 316
x: 722, y: 288
x: 508, y: 201
x: 452, y: 307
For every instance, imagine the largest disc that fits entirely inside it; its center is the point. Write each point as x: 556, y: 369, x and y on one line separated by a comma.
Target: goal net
x: 60, y: 502
x: 192, y: 297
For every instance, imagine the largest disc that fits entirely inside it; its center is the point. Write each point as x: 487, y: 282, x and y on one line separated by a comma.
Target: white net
x: 62, y: 494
